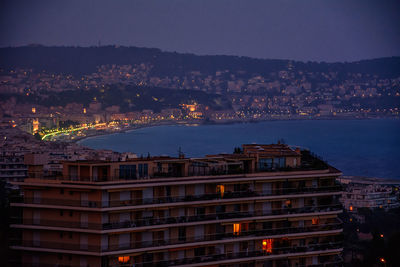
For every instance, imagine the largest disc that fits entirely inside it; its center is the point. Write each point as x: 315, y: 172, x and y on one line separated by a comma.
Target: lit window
x: 123, y: 259
x: 267, y: 245
x: 236, y: 228
x: 315, y: 221
x: 351, y: 208
x: 221, y: 189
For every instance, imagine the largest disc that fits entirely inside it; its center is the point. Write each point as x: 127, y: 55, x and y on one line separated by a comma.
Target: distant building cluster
x: 369, y: 193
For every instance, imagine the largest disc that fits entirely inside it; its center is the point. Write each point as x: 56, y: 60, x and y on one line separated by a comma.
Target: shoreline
x: 131, y: 128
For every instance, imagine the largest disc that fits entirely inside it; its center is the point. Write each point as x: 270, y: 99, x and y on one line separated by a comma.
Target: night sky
x: 317, y: 30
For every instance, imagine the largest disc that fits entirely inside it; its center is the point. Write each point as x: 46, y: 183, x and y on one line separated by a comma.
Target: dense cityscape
x: 256, y: 133
x: 116, y: 96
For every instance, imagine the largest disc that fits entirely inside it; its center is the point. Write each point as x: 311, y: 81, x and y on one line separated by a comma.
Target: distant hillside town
x: 49, y: 90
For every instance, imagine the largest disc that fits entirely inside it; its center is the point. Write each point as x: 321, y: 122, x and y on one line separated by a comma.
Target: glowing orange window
x: 221, y: 189
x: 236, y: 228
x: 123, y: 259
x: 267, y: 245
x: 315, y: 221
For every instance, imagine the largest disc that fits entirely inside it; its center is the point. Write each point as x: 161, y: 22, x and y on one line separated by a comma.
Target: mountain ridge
x: 85, y: 60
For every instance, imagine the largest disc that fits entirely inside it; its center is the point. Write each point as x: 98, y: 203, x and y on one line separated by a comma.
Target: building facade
x: 267, y: 205
x: 370, y: 193
x: 12, y: 168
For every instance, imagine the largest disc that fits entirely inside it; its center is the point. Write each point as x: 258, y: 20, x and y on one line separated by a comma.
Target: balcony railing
x: 177, y: 199
x: 277, y: 250
x: 335, y: 263
x: 241, y: 255
x: 191, y: 239
x: 150, y: 221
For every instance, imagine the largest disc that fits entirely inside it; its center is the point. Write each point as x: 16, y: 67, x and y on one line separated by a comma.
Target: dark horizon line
x: 193, y: 54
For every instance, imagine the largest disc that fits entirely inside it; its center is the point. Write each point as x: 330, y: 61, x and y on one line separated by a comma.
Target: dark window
x: 143, y: 170
x: 71, y: 213
x: 127, y: 172
x: 280, y: 162
x: 236, y: 207
x: 200, y: 251
x: 146, y: 170
x: 62, y: 191
x: 182, y: 234
x: 220, y: 209
x: 140, y: 170
x: 236, y: 187
x: 264, y: 164
x: 71, y: 192
x: 200, y: 211
x: 220, y: 229
x: 267, y: 225
x: 61, y: 213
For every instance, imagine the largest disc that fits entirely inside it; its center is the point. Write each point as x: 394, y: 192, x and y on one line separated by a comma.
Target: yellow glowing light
x: 267, y: 245
x: 33, y: 110
x: 351, y: 208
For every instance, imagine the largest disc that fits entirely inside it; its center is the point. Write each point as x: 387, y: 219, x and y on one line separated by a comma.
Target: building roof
x: 271, y: 150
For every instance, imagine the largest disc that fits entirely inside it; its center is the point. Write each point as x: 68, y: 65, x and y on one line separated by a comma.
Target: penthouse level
x: 267, y: 205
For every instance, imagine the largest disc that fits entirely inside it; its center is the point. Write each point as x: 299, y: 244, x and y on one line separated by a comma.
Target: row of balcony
x: 243, y: 255
x: 169, y: 199
x: 276, y: 250
x: 149, y: 221
x: 335, y: 263
x: 184, y: 239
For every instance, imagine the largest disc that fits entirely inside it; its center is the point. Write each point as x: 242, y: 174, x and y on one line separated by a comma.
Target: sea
x: 369, y: 148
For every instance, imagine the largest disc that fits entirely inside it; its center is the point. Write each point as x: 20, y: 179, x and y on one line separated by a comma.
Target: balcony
x: 153, y: 221
x: 170, y: 199
x: 191, y: 239
x: 275, y: 253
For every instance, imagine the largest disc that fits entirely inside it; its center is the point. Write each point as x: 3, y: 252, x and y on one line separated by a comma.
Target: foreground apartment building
x: 267, y: 205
